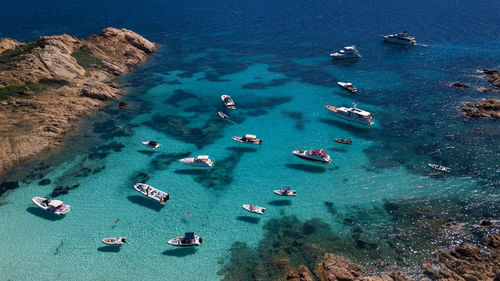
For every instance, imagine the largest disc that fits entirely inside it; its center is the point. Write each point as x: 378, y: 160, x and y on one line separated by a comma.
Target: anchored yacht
x: 347, y: 86
x: 348, y: 52
x: 228, y: 101
x: 351, y: 114
x: 198, y: 161
x: 189, y: 239
x: 315, y: 155
x: 248, y: 139
x: 400, y: 38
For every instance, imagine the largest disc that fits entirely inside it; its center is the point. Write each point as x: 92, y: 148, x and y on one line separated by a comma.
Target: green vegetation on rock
x: 85, y: 58
x: 9, y: 55
x: 31, y: 88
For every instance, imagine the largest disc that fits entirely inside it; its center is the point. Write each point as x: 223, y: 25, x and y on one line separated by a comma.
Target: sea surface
x: 377, y: 201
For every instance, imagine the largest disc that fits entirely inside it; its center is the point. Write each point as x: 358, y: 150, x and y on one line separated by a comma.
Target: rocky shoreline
x: 486, y: 109
x: 49, y: 84
x: 462, y: 262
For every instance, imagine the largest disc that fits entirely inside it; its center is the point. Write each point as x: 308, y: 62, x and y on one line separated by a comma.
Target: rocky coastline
x: 486, y: 109
x: 461, y: 262
x: 49, y: 84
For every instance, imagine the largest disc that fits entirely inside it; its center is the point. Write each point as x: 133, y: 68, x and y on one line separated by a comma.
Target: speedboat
x: 222, y: 115
x: 348, y: 141
x: 228, y: 101
x: 54, y: 206
x: 248, y: 139
x: 254, y: 209
x: 285, y: 192
x: 189, y: 239
x: 440, y: 168
x: 154, y: 145
x: 118, y: 241
x: 315, y: 155
x: 351, y: 114
x: 348, y: 52
x: 401, y: 38
x: 348, y: 86
x: 198, y: 161
x: 151, y: 192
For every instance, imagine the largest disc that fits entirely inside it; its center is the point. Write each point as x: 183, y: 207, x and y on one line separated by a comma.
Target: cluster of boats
x: 350, y: 52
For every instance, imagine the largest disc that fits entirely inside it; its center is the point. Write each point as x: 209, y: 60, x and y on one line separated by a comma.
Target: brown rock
x: 493, y: 76
x: 71, y: 77
x: 494, y: 241
x: 487, y: 109
x: 460, y: 85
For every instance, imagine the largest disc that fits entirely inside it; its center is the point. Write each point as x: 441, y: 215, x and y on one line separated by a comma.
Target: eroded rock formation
x: 486, y: 109
x: 48, y: 84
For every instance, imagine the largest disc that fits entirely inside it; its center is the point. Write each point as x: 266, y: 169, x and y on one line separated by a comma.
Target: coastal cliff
x: 48, y: 84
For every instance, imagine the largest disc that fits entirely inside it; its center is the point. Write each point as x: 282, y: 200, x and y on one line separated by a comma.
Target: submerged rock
x: 460, y: 85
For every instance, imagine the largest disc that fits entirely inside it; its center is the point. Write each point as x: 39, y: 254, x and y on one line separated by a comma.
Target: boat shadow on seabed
x: 180, y: 252
x: 145, y: 202
x: 44, y: 214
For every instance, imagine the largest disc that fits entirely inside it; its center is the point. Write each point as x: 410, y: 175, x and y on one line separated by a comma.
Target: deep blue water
x: 378, y: 200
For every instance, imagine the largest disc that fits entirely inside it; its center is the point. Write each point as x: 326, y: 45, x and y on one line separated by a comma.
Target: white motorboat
x: 198, y: 161
x: 440, y: 168
x: 151, y: 192
x: 351, y: 114
x: 154, y: 145
x: 254, y: 209
x: 315, y: 155
x: 118, y: 241
x: 228, y: 101
x: 401, y: 38
x: 347, y: 86
x: 348, y: 52
x: 189, y: 239
x: 222, y: 115
x: 248, y: 139
x: 285, y: 192
x: 54, y: 206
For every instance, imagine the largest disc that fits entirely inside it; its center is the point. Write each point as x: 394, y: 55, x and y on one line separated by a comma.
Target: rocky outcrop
x: 8, y: 44
x: 47, y: 84
x: 493, y: 76
x: 460, y: 85
x: 336, y: 268
x: 486, y: 109
x: 467, y: 262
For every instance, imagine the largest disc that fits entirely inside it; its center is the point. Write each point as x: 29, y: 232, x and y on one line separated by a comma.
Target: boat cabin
x: 250, y: 137
x: 188, y: 237
x: 201, y: 158
x: 319, y: 152
x: 54, y: 204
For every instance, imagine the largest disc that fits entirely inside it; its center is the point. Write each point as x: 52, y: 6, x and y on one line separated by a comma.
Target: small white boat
x: 118, y: 241
x: 254, y: 209
x: 228, y: 101
x: 222, y: 115
x: 348, y: 52
x: 189, y: 239
x: 54, y: 206
x: 440, y: 168
x: 151, y: 192
x: 315, y: 155
x: 347, y: 86
x: 198, y: 161
x: 248, y: 139
x: 351, y: 114
x: 154, y: 145
x: 285, y: 192
x: 400, y: 39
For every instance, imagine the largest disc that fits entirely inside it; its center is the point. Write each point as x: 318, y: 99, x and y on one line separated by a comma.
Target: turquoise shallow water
x: 377, y: 200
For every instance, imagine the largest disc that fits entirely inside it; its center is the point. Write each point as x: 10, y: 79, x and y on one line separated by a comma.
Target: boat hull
x: 60, y: 211
x: 399, y: 41
x: 282, y: 193
x: 302, y: 154
x: 240, y: 139
x: 192, y: 163
x: 154, y: 147
x: 115, y: 241
x: 153, y: 193
x: 344, y: 57
x: 256, y: 209
x: 333, y: 110
x: 177, y: 242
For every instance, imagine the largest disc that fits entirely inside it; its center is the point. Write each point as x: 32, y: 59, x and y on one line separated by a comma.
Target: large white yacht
x: 315, y: 155
x: 351, y: 114
x: 198, y: 161
x: 400, y: 38
x: 348, y: 52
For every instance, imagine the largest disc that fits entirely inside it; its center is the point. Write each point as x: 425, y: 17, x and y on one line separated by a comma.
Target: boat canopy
x: 202, y: 157
x: 247, y: 136
x: 55, y: 203
x: 152, y: 143
x: 189, y: 235
x: 286, y: 188
x: 319, y: 151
